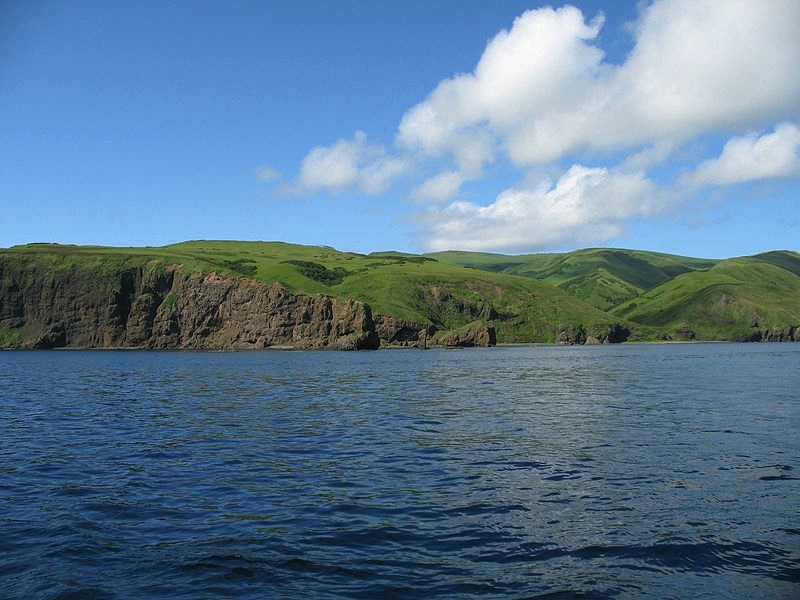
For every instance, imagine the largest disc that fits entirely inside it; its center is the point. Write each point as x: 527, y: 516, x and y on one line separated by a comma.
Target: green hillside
x: 781, y: 258
x: 737, y: 299
x: 485, y: 261
x: 409, y: 287
x: 415, y: 288
x: 602, y: 277
x: 593, y: 294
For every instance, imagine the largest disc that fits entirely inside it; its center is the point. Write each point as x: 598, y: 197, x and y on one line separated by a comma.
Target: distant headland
x: 256, y: 295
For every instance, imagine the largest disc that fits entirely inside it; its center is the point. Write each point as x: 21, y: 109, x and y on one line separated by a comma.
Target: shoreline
x: 391, y: 348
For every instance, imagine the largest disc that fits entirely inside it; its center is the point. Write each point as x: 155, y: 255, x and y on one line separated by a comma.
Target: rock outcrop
x: 779, y: 334
x: 606, y: 334
x: 142, y: 307
x: 475, y: 334
x: 399, y: 332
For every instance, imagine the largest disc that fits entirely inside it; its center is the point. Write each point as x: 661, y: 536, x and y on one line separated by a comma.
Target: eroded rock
x: 164, y: 308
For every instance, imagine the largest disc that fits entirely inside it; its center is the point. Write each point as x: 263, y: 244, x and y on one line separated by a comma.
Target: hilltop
x: 227, y: 294
x: 745, y: 298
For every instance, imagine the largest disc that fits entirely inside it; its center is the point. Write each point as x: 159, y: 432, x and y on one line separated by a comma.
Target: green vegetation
x: 603, y: 277
x: 170, y: 301
x: 734, y: 300
x: 319, y: 272
x: 527, y: 298
x: 245, y: 266
x: 674, y: 297
x: 9, y: 338
x: 784, y: 259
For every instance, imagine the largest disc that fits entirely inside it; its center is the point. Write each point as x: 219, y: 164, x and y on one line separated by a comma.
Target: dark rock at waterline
x: 138, y: 307
x: 609, y: 334
x: 476, y: 334
x: 399, y: 332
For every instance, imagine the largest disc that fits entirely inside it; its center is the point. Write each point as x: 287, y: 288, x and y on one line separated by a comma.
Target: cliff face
x: 475, y: 334
x: 778, y: 334
x: 140, y: 307
x: 400, y: 332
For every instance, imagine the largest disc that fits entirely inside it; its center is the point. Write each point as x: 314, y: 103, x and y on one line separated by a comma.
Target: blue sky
x: 671, y: 125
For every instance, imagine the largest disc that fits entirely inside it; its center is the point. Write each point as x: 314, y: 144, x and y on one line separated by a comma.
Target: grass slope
x: 529, y: 298
x: 785, y: 259
x: 730, y: 301
x: 416, y: 288
x: 602, y: 277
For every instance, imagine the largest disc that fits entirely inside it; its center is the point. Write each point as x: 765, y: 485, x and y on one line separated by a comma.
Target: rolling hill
x: 450, y: 298
x: 409, y: 296
x: 747, y: 298
x: 602, y: 277
x: 750, y: 298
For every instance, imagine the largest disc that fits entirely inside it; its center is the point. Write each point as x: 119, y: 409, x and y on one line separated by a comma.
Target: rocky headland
x: 225, y: 295
x: 142, y: 308
x: 164, y: 308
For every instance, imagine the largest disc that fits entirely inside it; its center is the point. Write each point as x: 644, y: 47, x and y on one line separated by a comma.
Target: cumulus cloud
x: 439, y: 188
x: 347, y: 163
x: 710, y: 64
x: 542, y: 89
x: 543, y: 95
x: 542, y: 92
x: 586, y: 204
x: 750, y: 158
x: 540, y: 68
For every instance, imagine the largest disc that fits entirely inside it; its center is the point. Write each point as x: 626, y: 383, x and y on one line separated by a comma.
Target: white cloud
x: 266, y: 173
x: 542, y: 94
x: 349, y: 163
x: 585, y: 205
x: 751, y: 157
x: 542, y: 65
x: 710, y: 65
x: 542, y: 90
x: 378, y: 174
x: 439, y: 188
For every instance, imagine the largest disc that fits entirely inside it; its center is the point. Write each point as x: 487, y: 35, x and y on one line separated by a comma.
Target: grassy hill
x: 736, y: 299
x: 409, y: 287
x: 527, y: 298
x: 602, y: 277
x: 680, y: 297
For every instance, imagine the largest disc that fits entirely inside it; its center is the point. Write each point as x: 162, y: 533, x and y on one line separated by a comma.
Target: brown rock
x: 78, y: 307
x: 779, y: 334
x: 475, y: 334
x: 399, y: 332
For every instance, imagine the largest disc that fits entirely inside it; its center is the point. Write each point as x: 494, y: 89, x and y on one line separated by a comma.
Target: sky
x: 513, y: 126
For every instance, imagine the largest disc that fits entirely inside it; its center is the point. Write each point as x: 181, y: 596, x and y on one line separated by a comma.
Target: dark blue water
x: 662, y: 471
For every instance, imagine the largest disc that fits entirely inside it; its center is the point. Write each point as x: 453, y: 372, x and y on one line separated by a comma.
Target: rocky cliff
x: 100, y: 306
x: 475, y: 334
x: 400, y: 332
x: 208, y: 297
x: 777, y: 334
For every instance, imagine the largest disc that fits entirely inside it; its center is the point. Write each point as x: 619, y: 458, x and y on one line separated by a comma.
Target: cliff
x: 248, y: 295
x: 101, y: 305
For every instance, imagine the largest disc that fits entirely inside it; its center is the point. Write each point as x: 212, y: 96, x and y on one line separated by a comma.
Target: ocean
x: 624, y: 471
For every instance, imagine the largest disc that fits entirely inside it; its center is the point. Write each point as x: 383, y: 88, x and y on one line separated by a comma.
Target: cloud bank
x: 544, y: 97
x: 578, y: 203
x: 751, y: 158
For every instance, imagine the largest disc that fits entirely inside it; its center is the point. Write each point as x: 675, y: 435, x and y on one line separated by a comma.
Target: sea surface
x: 658, y: 471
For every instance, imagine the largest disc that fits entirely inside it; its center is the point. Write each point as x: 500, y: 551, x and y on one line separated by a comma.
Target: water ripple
x: 658, y: 471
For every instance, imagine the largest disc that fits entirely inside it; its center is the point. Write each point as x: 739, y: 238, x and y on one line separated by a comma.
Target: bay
x: 666, y: 471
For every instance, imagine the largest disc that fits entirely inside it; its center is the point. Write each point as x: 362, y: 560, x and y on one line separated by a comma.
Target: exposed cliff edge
x: 55, y: 296
x: 209, y: 294
x: 141, y: 307
x: 478, y: 333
